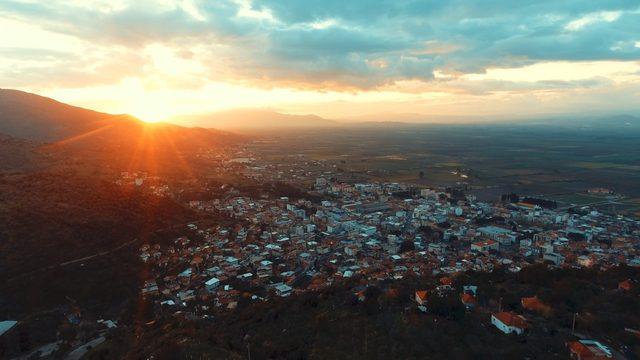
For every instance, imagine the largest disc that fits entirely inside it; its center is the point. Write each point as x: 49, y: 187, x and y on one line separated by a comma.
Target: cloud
x: 337, y: 44
x: 56, y: 70
x: 604, y: 16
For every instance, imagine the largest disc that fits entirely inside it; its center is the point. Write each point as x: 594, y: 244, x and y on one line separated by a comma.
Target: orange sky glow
x: 156, y: 59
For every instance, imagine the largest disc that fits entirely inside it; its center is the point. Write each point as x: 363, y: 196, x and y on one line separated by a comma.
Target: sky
x: 156, y: 59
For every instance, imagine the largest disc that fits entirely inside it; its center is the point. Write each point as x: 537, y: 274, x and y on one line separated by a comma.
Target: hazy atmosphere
x: 356, y: 60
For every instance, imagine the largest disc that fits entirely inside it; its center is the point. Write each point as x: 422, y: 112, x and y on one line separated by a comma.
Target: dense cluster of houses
x: 375, y: 231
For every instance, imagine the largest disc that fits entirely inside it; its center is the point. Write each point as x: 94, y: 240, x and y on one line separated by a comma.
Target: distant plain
x: 552, y: 161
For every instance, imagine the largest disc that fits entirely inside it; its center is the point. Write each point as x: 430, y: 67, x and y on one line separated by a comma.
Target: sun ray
x: 83, y: 136
x: 179, y: 156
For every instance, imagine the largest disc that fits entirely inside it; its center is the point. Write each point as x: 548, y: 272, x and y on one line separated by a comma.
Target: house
x: 484, y: 246
x: 283, y: 290
x: 625, y: 285
x: 6, y: 325
x: 555, y: 258
x: 588, y: 349
x: 108, y: 324
x: 534, y: 304
x: 436, y: 248
x: 187, y: 273
x: 509, y: 322
x: 469, y: 301
x: 495, y: 233
x: 470, y: 289
x: 446, y: 281
x: 585, y: 261
x: 505, y: 240
x: 212, y: 284
x: 150, y: 288
x: 421, y: 297
x: 186, y: 295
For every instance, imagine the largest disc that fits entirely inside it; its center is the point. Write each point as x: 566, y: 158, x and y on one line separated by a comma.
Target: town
x: 376, y: 232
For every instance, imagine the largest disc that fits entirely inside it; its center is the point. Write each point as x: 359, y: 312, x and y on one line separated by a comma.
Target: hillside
x: 71, y: 136
x: 334, y: 324
x: 38, y: 118
x: 252, y: 119
x: 50, y: 218
x: 132, y: 145
x: 62, y: 210
x: 18, y: 154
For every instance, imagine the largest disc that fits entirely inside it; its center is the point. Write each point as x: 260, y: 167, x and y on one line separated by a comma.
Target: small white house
x: 585, y: 261
x: 283, y: 290
x: 186, y: 273
x: 212, y: 284
x: 509, y: 322
x: 6, y: 325
x: 484, y: 246
x: 245, y: 276
x: 555, y: 258
x: 420, y: 297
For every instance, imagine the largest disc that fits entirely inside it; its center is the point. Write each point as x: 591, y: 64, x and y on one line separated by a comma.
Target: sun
x: 149, y: 120
x: 148, y: 111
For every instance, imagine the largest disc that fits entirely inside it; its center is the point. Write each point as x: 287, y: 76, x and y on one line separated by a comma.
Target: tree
x: 407, y: 245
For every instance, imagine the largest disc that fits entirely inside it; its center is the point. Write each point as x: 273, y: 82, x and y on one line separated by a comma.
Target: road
x: 89, y: 257
x: 74, y: 261
x: 603, y: 202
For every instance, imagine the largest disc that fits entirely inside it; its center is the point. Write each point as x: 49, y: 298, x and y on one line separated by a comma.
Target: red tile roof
x: 468, y: 299
x: 512, y: 319
x: 421, y: 294
x: 581, y: 351
x: 534, y: 304
x: 625, y: 285
x: 484, y: 243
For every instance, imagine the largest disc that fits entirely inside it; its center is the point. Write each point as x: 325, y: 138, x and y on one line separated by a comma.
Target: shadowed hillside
x: 83, y: 138
x: 34, y: 117
x: 334, y: 324
x: 18, y: 154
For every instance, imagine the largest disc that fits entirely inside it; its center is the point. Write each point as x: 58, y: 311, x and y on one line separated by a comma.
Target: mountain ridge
x: 253, y: 118
x: 34, y: 117
x: 72, y: 135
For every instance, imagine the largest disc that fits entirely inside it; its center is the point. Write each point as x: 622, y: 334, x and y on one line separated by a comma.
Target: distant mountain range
x: 599, y: 122
x: 252, y: 119
x: 258, y: 119
x: 40, y: 119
